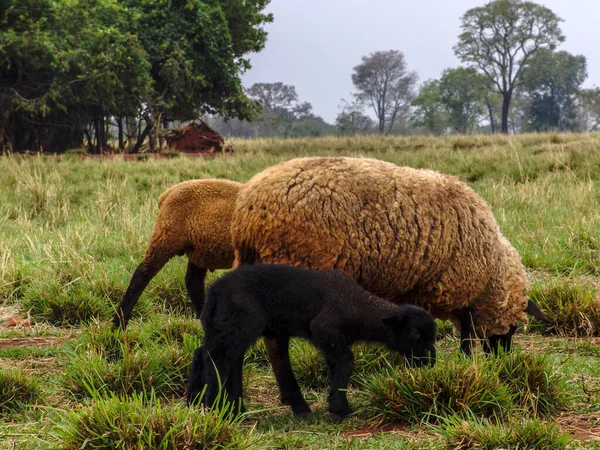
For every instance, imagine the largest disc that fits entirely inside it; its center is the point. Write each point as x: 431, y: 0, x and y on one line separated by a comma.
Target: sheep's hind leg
x: 289, y: 391
x: 194, y: 283
x: 497, y: 341
x: 340, y: 360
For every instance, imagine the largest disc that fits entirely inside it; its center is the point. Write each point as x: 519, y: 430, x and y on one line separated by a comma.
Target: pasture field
x: 72, y: 230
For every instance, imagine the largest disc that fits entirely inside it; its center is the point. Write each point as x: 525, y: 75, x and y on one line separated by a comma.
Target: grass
x: 520, y: 434
x: 17, y: 391
x: 73, y: 230
x: 137, y: 422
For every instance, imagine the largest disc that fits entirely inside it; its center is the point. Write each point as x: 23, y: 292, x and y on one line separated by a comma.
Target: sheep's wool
x: 408, y: 235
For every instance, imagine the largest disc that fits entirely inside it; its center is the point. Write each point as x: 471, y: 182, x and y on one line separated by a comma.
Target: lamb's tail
x: 535, y: 311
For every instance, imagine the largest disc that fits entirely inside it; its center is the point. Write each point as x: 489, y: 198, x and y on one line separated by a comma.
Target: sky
x: 314, y: 44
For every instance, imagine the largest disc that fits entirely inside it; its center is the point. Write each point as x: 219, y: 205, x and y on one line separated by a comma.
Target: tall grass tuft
x: 153, y: 355
x: 454, y: 386
x: 17, y: 390
x: 572, y: 308
x: 483, y: 434
x: 536, y: 387
x: 142, y: 422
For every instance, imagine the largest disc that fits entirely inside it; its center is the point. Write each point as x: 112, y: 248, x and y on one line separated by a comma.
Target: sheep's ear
x: 392, y: 321
x: 535, y: 311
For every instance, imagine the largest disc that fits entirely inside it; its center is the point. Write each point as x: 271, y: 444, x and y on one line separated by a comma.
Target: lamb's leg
x: 340, y: 360
x: 194, y: 283
x: 217, y: 367
x: 467, y: 333
x: 289, y: 391
x: 196, y: 381
x: 140, y: 279
x: 493, y: 343
x: 235, y: 385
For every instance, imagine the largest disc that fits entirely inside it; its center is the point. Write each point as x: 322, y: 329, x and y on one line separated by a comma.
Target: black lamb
x: 327, y: 307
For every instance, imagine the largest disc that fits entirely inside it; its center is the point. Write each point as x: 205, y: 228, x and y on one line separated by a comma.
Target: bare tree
x: 383, y: 82
x: 500, y: 37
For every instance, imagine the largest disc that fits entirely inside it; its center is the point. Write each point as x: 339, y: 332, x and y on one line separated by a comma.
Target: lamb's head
x: 412, y: 332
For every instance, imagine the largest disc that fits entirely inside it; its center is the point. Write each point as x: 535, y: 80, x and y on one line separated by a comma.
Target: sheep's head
x: 412, y: 332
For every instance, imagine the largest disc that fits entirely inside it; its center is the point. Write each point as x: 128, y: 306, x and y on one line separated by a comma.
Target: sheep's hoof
x: 303, y: 415
x: 336, y: 418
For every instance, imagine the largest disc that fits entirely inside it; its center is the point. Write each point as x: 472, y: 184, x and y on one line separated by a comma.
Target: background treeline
x: 112, y: 74
x: 70, y: 71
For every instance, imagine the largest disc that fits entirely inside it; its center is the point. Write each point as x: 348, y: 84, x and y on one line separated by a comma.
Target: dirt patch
x: 583, y: 427
x: 394, y: 427
x: 31, y: 342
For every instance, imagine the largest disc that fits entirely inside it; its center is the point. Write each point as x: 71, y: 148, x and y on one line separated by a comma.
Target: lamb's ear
x: 535, y: 311
x: 394, y: 321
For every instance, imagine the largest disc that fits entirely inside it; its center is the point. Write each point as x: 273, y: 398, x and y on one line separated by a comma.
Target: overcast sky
x: 314, y: 44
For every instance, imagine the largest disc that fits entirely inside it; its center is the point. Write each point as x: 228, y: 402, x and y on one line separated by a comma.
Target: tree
x: 429, y: 109
x: 383, y: 82
x: 590, y: 102
x: 462, y: 91
x: 70, y: 67
x: 552, y: 81
x: 352, y: 120
x: 500, y: 38
x: 274, y: 96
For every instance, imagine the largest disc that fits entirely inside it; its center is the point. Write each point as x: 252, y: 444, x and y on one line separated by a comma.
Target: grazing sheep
x: 193, y: 219
x: 326, y: 307
x: 407, y: 235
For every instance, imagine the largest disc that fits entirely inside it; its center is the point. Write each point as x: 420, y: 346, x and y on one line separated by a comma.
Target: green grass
x: 136, y: 422
x: 17, y: 391
x: 73, y: 230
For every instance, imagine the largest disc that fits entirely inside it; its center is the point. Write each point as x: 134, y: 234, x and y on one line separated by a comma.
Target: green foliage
x: 552, y: 81
x: 145, y: 422
x: 429, y: 110
x: 462, y: 91
x: 500, y: 37
x: 383, y: 81
x: 518, y: 434
x: 17, y: 390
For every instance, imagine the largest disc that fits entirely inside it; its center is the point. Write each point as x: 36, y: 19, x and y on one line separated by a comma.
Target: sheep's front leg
x: 467, y: 332
x: 140, y: 279
x: 194, y: 284
x: 289, y: 391
x: 493, y: 343
x: 340, y: 360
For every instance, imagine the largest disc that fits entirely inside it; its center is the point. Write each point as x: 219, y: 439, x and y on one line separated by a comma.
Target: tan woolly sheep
x: 193, y: 219
x: 408, y: 235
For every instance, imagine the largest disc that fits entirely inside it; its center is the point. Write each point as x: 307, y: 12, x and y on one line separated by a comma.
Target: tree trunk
x: 120, y: 128
x: 138, y: 145
x: 491, y: 113
x: 506, y: 98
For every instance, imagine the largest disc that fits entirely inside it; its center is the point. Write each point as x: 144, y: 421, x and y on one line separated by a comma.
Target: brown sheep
x: 193, y: 219
x: 408, y: 235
